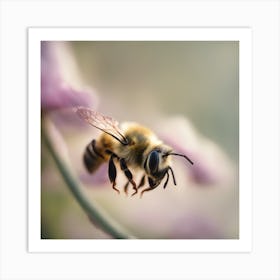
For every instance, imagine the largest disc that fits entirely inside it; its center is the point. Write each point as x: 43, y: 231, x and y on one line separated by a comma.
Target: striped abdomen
x: 93, y: 157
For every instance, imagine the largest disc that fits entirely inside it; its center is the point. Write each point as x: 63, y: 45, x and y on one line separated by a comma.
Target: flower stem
x: 96, y: 215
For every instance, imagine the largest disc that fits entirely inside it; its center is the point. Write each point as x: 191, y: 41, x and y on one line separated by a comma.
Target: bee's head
x: 157, y: 165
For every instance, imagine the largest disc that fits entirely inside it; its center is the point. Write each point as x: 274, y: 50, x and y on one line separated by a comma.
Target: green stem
x: 96, y: 215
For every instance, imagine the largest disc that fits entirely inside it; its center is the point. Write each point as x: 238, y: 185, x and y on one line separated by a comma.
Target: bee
x: 131, y: 146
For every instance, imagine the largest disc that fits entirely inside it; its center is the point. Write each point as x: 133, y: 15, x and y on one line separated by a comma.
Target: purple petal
x: 211, y: 165
x: 56, y: 92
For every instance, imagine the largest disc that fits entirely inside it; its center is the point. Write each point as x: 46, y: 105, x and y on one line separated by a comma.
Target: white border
x: 262, y: 262
x: 243, y: 35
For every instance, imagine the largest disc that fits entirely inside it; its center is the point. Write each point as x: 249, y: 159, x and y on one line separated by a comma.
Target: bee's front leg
x: 167, y: 179
x: 128, y: 174
x: 151, y: 184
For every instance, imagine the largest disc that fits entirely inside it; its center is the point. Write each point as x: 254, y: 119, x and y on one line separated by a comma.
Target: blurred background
x: 188, y: 93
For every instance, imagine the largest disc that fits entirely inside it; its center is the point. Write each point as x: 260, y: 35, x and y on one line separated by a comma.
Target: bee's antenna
x: 180, y: 155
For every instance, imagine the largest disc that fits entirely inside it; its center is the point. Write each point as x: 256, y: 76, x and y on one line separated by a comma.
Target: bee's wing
x: 104, y: 123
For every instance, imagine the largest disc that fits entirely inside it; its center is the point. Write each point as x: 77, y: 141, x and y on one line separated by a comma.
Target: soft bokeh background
x: 187, y: 92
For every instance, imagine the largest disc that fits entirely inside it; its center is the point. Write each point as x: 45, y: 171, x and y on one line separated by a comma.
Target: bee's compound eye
x: 153, y: 161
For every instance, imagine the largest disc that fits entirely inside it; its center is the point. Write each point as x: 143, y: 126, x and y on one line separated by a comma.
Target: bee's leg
x: 173, y: 176
x: 112, y: 172
x: 167, y: 179
x: 128, y: 174
x: 126, y: 187
x: 142, y: 182
x: 152, y: 186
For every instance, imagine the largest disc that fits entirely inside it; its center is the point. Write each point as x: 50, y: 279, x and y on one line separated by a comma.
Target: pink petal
x: 56, y: 92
